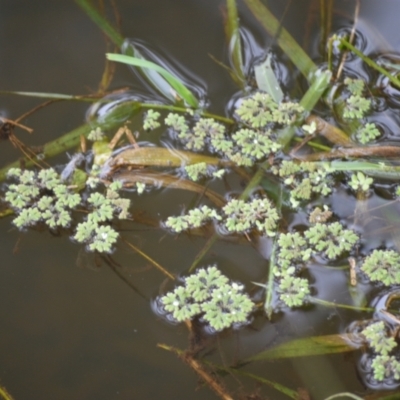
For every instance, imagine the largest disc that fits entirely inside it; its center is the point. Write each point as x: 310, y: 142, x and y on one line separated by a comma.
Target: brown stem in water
x: 211, y: 381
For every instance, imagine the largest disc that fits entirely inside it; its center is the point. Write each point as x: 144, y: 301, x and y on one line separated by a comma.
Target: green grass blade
x: 235, y: 48
x: 290, y: 47
x: 378, y: 170
x: 153, y: 77
x: 309, y: 346
x: 370, y: 62
x: 101, y: 22
x: 175, y: 83
x: 318, y: 86
x: 51, y: 96
x: 267, y: 81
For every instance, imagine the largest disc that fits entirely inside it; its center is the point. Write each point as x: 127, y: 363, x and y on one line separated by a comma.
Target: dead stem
x: 211, y: 381
x: 351, y: 38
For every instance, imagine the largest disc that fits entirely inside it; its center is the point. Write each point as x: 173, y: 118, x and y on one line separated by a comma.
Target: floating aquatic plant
x: 241, y: 216
x: 293, y: 291
x: 194, y: 219
x: 331, y: 239
x: 255, y: 144
x: 384, y: 366
x: 320, y: 216
x: 293, y: 248
x: 383, y: 266
x: 359, y: 182
x: 210, y: 294
x: 44, y: 198
x: 195, y: 171
x: 355, y: 86
x: 150, y: 120
x: 180, y: 304
x: 356, y: 107
x: 260, y: 109
x: 367, y: 133
x: 304, y: 179
x: 237, y: 216
x: 377, y: 338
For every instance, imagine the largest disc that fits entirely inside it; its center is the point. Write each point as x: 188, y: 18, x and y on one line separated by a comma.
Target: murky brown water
x: 81, y: 333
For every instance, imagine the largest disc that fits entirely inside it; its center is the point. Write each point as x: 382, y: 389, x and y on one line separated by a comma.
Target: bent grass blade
x: 232, y: 33
x: 175, y: 83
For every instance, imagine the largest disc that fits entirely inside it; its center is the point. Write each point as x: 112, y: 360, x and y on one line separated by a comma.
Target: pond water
x: 72, y: 329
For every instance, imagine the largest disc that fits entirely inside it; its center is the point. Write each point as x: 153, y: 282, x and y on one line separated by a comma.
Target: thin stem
x: 101, y: 22
x: 153, y: 262
x: 210, y: 242
x: 336, y: 305
x: 156, y: 106
x: 370, y: 62
x: 208, y: 378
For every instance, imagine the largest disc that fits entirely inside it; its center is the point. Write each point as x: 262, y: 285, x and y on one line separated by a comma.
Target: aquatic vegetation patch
x: 209, y: 294
x: 44, y: 198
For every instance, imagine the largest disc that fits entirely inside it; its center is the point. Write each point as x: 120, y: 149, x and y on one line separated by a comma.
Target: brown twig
x: 211, y: 381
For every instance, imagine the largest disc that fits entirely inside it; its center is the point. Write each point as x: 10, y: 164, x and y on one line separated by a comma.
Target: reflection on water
x: 82, y: 333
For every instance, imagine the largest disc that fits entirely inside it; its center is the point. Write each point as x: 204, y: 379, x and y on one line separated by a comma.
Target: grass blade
x: 370, y: 62
x: 175, y: 83
x: 318, y: 86
x: 309, y: 346
x: 292, y: 49
x: 51, y: 96
x: 235, y: 48
x: 101, y: 22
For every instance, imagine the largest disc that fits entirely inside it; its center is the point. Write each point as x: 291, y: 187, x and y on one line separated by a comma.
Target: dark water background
x: 71, y: 332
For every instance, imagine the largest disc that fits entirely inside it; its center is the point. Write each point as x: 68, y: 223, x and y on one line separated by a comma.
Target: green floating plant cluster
x: 295, y: 249
x: 356, y: 106
x: 195, y: 218
x: 383, y: 266
x: 254, y: 140
x: 200, y: 170
x: 210, y: 294
x: 384, y: 366
x: 367, y: 133
x: 304, y: 179
x: 42, y: 197
x: 360, y: 183
x: 150, y: 120
x: 237, y: 216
